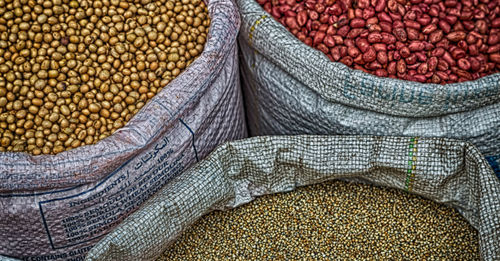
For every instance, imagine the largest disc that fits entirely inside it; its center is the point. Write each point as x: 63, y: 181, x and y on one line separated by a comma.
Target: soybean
x: 73, y: 72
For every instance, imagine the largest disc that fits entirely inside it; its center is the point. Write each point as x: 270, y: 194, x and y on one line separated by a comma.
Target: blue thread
x: 494, y: 161
x: 192, y: 134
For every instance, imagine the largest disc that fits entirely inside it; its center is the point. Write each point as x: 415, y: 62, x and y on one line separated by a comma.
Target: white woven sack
x: 55, y: 207
x: 291, y: 88
x: 446, y: 171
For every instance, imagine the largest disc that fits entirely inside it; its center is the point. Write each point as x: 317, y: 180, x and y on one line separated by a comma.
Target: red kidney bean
x: 400, y: 34
x: 392, y: 5
x: 381, y: 73
x: 353, y: 51
x: 332, y: 31
x: 291, y: 22
x: 380, y: 47
x: 384, y: 17
x: 442, y: 65
x: 349, y: 42
x: 323, y: 48
x: 433, y: 11
x: 422, y: 68
x: 456, y: 36
x: 359, y: 59
x: 391, y: 68
x: 464, y: 64
x: 301, y: 36
x: 308, y: 41
x: 343, y: 50
x: 362, y: 44
x: 302, y: 18
x: 421, y: 56
x: 313, y: 15
x: 432, y: 63
x: 431, y: 41
x: 429, y: 29
x: 412, y: 59
x: 435, y: 79
x: 495, y: 57
x: 375, y: 37
x: 363, y: 3
x: 396, y: 56
x: 416, y: 46
x: 413, y: 34
x: 370, y: 55
x: 335, y: 52
x: 338, y: 39
x: 343, y: 31
x: 329, y: 41
x: 412, y: 68
x: 475, y: 65
x: 412, y: 24
x: 364, y: 33
x: 374, y: 65
x: 457, y: 53
x: 371, y: 20
x: 494, y: 38
x: 386, y: 27
x: 320, y: 8
x: 368, y: 12
x: 382, y: 57
x: 405, y: 52
x: 481, y: 26
x: 495, y: 23
x: 347, y: 60
x: 401, y: 66
x: 448, y: 58
x: 420, y: 78
x: 355, y: 32
x: 374, y: 28
x: 357, y: 23
x: 323, y: 28
x: 445, y: 26
x: 424, y: 20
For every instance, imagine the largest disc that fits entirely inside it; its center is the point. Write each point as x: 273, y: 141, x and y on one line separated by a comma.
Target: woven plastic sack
x: 291, y: 88
x: 55, y: 207
x: 447, y: 171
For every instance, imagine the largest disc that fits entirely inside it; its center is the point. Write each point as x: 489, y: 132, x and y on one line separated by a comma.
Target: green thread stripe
x: 412, y: 163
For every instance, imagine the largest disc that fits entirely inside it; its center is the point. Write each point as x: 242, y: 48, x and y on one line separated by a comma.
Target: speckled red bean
x: 420, y: 40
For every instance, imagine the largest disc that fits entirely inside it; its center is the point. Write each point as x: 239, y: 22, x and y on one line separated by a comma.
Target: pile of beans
x: 331, y: 221
x: 432, y: 41
x: 74, y: 71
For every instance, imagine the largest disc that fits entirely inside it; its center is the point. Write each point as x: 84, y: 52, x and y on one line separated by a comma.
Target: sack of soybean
x: 291, y: 88
x: 56, y: 207
x: 446, y: 171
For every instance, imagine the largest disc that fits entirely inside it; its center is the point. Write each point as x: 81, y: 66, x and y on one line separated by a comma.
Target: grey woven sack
x: 447, y: 171
x: 56, y: 207
x: 291, y: 88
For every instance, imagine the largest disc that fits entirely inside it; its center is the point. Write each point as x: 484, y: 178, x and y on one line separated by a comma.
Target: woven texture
x: 291, y: 88
x: 58, y: 206
x: 446, y: 171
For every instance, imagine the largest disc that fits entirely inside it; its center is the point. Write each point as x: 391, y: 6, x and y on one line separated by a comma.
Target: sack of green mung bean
x: 291, y: 88
x: 55, y: 207
x: 446, y: 171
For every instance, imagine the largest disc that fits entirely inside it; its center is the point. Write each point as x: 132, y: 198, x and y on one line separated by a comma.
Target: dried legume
x: 73, y: 72
x: 432, y: 41
x: 331, y: 221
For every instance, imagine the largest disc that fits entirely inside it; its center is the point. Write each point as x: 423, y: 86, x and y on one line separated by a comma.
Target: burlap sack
x: 57, y: 207
x: 291, y: 88
x: 447, y: 171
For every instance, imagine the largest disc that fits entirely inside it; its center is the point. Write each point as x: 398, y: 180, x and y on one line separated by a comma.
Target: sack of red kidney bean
x: 430, y: 41
x: 375, y: 67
